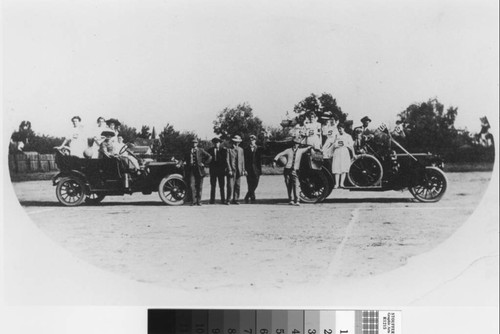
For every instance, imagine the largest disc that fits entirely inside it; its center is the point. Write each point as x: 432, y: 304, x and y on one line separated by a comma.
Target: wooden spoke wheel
x: 365, y: 171
x: 314, y: 186
x: 70, y: 191
x: 173, y: 190
x: 430, y: 186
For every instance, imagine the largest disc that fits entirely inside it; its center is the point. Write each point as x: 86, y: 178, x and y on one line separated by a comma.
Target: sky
x: 181, y: 62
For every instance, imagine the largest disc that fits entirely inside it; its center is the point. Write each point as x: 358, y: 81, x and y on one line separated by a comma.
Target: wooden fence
x: 31, y: 162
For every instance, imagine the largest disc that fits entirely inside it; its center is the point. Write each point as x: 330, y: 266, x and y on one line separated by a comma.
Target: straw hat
x: 236, y: 139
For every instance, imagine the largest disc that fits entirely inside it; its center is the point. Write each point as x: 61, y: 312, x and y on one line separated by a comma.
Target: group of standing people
x: 226, y: 165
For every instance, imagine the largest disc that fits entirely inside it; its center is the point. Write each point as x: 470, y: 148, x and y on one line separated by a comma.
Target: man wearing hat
x: 195, y: 160
x: 365, y: 121
x: 363, y: 132
x: 217, y: 169
x: 253, y: 167
x: 235, y: 169
x: 293, y: 157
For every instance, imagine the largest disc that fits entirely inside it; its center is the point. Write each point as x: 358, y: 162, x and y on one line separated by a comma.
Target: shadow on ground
x: 273, y: 201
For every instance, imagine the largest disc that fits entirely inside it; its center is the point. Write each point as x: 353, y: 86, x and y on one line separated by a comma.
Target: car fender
x: 175, y: 174
x: 74, y: 173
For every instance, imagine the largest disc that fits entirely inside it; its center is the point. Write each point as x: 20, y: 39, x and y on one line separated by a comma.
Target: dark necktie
x: 293, y: 159
x: 193, y: 157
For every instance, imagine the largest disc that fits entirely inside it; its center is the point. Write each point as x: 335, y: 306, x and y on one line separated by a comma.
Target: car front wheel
x: 430, y: 186
x: 173, y: 189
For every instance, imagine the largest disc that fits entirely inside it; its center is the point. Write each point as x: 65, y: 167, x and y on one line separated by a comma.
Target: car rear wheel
x: 431, y: 185
x: 94, y: 198
x: 70, y: 191
x: 314, y: 186
x: 173, y: 190
x: 365, y: 171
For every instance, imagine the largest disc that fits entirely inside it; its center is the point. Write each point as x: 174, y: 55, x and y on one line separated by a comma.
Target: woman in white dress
x: 313, y: 132
x: 329, y: 131
x: 97, y: 137
x: 76, y: 139
x: 341, y: 161
x: 298, y: 131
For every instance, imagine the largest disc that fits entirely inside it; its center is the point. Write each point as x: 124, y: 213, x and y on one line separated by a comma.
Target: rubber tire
x: 317, y: 181
x: 177, y: 194
x: 438, y: 178
x: 375, y: 164
x: 76, y: 183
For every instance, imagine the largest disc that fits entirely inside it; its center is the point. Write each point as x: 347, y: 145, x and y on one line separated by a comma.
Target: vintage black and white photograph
x: 282, y: 154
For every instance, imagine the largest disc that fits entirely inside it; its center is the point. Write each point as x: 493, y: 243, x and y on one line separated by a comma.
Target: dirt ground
x: 267, y: 244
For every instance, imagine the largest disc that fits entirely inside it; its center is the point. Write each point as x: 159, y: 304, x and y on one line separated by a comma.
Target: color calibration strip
x: 170, y: 321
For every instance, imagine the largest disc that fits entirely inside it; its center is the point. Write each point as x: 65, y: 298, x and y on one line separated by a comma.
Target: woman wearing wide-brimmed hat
x: 113, y: 124
x: 106, y: 148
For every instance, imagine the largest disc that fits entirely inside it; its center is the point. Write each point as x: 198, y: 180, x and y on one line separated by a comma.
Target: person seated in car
x: 96, y: 136
x: 119, y: 145
x: 122, y: 149
x: 113, y: 125
x: 108, y: 150
x: 358, y: 142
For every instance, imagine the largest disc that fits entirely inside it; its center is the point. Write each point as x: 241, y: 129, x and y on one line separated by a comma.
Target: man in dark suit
x: 362, y: 134
x: 196, y: 159
x: 253, y: 167
x: 217, y: 169
x: 235, y: 169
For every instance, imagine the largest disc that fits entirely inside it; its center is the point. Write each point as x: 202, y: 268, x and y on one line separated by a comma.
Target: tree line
x: 429, y: 127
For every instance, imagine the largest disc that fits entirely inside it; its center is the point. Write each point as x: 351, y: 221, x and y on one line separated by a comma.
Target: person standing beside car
x: 341, y: 160
x: 292, y: 156
x: 235, y: 169
x: 195, y: 160
x: 217, y: 169
x: 253, y: 167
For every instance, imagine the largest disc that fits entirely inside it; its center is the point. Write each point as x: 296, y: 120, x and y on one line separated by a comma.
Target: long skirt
x: 341, y: 160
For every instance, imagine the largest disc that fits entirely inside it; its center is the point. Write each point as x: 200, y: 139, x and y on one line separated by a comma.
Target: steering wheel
x: 123, y: 149
x: 63, y: 150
